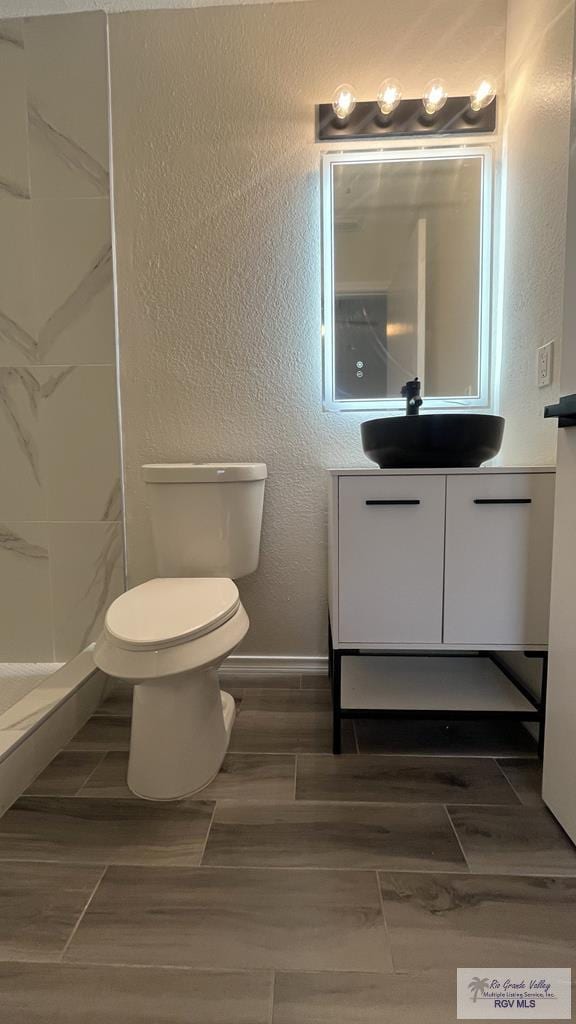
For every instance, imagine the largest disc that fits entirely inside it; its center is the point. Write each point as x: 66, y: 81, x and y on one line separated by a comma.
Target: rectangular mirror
x: 406, y: 291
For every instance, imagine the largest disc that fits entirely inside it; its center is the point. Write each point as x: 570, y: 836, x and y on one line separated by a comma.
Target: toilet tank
x: 206, y: 518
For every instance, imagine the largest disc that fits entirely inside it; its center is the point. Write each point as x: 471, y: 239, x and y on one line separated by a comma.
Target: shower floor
x: 17, y: 680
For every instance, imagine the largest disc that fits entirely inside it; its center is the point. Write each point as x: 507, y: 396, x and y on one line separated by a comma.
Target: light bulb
x: 435, y: 96
x: 389, y: 96
x: 343, y: 101
x: 482, y: 94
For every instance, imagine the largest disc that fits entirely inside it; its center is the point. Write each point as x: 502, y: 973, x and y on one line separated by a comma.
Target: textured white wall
x: 217, y: 196
x: 538, y: 85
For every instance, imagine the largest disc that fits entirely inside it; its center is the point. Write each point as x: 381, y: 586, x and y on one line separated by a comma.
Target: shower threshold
x: 42, y: 706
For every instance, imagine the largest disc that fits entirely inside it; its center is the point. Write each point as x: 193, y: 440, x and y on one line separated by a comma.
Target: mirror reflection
x: 407, y: 271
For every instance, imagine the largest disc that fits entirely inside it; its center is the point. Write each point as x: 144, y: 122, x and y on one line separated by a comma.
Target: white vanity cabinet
x: 440, y: 559
x: 498, y: 559
x: 391, y: 559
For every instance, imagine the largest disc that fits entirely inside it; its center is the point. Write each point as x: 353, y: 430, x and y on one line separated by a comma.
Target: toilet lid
x: 167, y: 612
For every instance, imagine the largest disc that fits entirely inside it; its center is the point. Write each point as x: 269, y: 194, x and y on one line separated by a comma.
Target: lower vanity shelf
x: 428, y: 686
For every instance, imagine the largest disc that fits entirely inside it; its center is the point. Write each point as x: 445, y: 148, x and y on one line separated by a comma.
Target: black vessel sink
x: 433, y: 440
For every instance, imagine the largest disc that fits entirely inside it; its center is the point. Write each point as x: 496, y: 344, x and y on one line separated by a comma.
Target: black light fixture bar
x: 409, y: 119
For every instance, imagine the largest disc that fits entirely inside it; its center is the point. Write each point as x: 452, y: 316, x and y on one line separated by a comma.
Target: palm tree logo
x: 478, y: 987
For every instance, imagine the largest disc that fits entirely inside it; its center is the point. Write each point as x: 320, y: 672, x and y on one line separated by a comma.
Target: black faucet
x: 411, y: 392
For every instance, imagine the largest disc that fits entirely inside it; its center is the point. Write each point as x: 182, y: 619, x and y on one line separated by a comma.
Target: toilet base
x: 181, y: 729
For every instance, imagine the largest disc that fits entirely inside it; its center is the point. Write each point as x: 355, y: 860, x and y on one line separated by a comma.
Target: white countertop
x: 371, y: 470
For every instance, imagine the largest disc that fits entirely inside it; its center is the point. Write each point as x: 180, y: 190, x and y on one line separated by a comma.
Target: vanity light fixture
x: 434, y: 97
x: 390, y: 116
x: 343, y: 103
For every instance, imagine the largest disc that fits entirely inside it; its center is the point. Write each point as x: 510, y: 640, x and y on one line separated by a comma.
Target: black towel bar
x: 564, y: 411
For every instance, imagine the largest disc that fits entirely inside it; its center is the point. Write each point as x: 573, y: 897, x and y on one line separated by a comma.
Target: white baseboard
x: 279, y: 664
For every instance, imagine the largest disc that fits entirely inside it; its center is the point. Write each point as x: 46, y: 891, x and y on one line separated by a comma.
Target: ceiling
x: 25, y: 8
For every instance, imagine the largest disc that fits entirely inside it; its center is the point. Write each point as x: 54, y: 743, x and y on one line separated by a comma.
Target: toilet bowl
x: 169, y: 636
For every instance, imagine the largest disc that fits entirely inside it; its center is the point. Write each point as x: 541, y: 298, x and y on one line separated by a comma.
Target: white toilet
x: 169, y: 636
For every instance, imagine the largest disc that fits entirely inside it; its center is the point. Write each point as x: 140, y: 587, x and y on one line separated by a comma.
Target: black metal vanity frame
x: 339, y: 713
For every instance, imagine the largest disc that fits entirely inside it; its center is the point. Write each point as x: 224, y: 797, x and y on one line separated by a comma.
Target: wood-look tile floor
x: 297, y: 888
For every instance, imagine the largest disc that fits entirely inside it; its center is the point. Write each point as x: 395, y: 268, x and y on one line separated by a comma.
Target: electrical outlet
x: 544, y: 365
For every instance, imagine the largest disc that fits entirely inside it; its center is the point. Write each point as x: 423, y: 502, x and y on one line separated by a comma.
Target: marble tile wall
x: 61, y: 541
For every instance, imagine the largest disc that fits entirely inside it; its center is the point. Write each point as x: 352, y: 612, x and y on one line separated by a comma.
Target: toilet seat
x: 164, y: 613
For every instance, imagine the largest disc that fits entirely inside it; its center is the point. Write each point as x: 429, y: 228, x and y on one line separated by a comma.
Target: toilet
x: 169, y: 636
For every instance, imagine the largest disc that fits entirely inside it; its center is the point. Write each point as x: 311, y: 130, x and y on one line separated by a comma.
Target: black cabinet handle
x: 403, y: 501
x: 502, y: 501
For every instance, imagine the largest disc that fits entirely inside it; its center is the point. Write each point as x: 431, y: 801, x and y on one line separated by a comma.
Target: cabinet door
x: 498, y: 559
x: 391, y: 546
